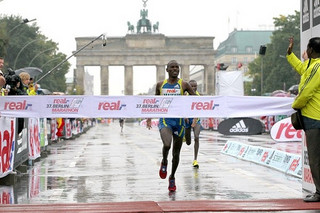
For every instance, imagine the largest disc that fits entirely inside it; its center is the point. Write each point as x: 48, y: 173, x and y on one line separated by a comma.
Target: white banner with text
x: 52, y: 106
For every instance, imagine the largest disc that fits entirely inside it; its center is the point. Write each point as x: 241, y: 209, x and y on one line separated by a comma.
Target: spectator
x: 2, y: 78
x: 27, y: 88
x: 308, y: 101
x: 13, y: 83
x: 3, y: 84
x: 1, y: 64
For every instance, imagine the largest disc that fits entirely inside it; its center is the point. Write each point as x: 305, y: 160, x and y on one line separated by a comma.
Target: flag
x: 60, y: 126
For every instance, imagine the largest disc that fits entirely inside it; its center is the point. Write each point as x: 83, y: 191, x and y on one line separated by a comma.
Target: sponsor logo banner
x: 316, y: 13
x: 305, y: 15
x: 234, y: 149
x: 240, y: 126
x: 7, y: 145
x: 283, y: 131
x: 282, y: 161
x: 68, y: 128
x: 6, y: 195
x: 65, y: 105
x: 154, y: 105
x: 34, y: 138
x: 51, y: 106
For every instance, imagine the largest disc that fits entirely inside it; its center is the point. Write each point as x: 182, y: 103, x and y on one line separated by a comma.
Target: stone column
x: 104, y: 80
x: 80, y: 77
x: 210, y: 76
x: 128, y: 80
x: 185, y: 72
x: 161, y: 73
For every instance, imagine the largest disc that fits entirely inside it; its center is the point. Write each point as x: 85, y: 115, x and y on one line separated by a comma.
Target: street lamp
x: 24, y: 21
x: 103, y: 36
x: 53, y: 59
x: 15, y: 61
x: 53, y: 48
x: 262, y: 52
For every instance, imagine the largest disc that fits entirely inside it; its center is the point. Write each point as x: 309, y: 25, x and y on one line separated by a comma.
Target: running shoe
x: 195, y: 164
x: 172, y: 184
x: 163, y: 170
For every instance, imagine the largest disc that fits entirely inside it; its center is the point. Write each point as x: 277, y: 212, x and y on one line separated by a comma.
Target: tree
x: 3, y: 39
x: 24, y: 46
x: 277, y: 73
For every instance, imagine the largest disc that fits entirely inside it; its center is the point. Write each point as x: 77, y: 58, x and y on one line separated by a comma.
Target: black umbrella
x: 294, y: 89
x: 33, y: 71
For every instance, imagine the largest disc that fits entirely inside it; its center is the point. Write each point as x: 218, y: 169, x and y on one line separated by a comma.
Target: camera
x: 12, y: 82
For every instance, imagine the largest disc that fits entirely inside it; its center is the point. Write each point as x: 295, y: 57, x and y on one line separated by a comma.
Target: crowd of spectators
x: 14, y: 84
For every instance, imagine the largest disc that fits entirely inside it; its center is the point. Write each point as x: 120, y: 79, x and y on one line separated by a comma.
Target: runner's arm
x: 186, y: 87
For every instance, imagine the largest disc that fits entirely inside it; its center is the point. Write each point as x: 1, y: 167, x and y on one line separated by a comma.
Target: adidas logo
x: 239, y: 127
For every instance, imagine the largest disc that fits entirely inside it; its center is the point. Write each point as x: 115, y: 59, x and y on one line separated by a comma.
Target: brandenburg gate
x: 146, y: 48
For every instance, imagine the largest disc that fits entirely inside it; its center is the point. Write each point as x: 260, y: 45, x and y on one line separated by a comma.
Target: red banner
x: 7, y: 145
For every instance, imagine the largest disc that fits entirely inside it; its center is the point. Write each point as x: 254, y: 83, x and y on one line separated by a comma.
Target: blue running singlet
x: 176, y: 125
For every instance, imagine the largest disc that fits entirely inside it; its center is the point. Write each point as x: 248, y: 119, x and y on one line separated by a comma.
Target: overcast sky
x: 63, y: 20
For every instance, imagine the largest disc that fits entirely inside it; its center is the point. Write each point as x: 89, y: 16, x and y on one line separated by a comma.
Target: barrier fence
x: 18, y: 146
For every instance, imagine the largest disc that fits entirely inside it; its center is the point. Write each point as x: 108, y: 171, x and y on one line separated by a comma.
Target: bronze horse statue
x: 130, y: 27
x: 156, y: 27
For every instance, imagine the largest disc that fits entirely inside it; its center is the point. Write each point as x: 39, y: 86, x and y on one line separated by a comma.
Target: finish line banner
x: 76, y: 106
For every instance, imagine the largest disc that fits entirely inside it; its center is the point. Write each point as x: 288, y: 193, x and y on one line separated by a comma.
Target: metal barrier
x: 21, y: 153
x: 24, y: 140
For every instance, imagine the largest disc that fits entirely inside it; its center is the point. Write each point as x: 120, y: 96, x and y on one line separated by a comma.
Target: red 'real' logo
x: 284, y: 131
x: 16, y: 105
x: 111, y: 105
x: 203, y: 105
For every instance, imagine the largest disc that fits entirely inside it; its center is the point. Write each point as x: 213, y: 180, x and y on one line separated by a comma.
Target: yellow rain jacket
x: 308, y: 99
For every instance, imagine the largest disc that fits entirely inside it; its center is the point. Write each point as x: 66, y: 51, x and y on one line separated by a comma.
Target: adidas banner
x: 240, y: 126
x: 76, y: 106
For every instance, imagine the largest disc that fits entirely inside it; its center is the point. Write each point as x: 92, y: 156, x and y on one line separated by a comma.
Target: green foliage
x: 23, y: 45
x: 277, y: 73
x: 3, y: 39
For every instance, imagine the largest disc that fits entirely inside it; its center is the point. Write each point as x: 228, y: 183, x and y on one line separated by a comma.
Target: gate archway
x: 146, y: 50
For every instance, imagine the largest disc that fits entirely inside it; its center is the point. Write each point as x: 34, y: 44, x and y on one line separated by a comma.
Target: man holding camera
x: 2, y: 79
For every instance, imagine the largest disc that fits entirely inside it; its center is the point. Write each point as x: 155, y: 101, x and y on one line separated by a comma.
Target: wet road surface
x: 105, y: 165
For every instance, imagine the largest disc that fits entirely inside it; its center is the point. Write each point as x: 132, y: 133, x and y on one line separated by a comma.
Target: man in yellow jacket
x: 308, y: 101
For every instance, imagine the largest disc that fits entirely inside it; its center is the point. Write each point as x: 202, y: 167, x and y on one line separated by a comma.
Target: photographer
x: 14, y: 85
x: 3, y: 84
x: 2, y: 79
